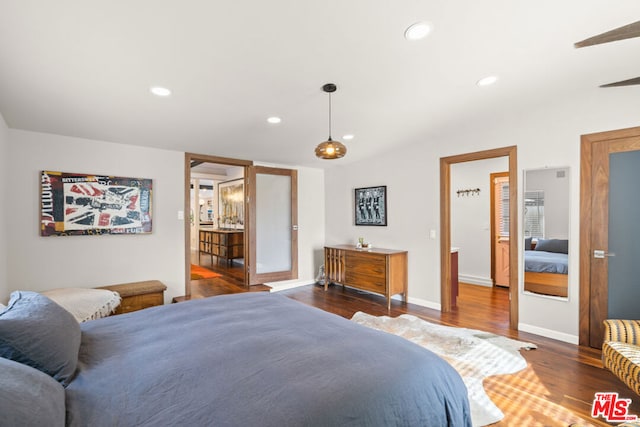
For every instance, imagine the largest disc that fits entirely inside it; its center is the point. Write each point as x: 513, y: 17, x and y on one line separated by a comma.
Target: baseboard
x: 424, y: 303
x: 475, y: 280
x: 549, y: 333
x: 289, y: 284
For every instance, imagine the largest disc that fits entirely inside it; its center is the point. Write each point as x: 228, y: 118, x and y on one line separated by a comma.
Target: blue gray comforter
x: 256, y: 359
x: 546, y: 262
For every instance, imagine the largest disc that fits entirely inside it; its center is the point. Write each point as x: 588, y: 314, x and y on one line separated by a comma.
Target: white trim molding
x: 549, y: 333
x: 475, y: 280
x: 423, y: 303
x: 289, y: 284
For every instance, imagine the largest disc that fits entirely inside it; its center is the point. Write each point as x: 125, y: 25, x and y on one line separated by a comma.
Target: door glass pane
x: 273, y: 223
x: 504, y: 209
x: 624, y: 235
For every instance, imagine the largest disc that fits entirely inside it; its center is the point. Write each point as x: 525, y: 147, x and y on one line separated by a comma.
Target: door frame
x: 203, y: 158
x: 445, y: 225
x: 593, y: 297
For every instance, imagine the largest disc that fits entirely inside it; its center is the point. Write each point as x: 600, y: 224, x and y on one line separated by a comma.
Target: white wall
x: 546, y: 135
x: 556, y: 202
x: 40, y: 263
x: 311, y: 222
x: 4, y: 209
x: 471, y: 218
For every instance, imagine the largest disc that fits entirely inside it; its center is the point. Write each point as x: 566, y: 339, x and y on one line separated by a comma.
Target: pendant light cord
x: 329, y: 116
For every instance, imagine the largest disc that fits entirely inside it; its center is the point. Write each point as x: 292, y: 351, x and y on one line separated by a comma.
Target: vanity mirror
x: 546, y: 231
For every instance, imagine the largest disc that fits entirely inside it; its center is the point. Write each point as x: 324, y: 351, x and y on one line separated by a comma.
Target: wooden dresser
x: 138, y: 295
x: 223, y: 244
x: 383, y: 271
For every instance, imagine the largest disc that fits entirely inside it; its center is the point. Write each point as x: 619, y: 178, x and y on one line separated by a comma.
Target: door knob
x: 599, y: 253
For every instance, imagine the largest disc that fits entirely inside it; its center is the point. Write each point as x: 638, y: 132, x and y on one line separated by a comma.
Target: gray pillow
x: 29, y: 397
x: 553, y: 245
x: 527, y: 243
x: 38, y: 332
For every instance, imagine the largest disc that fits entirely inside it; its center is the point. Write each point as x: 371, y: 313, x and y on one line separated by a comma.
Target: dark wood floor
x: 556, y: 388
x: 231, y: 281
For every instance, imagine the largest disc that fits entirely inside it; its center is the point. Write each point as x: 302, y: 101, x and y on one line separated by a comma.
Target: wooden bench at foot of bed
x: 546, y: 283
x: 138, y: 295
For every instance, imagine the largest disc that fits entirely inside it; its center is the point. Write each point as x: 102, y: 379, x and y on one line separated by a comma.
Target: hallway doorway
x: 445, y: 226
x: 215, y: 241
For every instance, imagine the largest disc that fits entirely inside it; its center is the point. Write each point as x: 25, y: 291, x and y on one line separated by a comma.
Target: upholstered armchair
x: 621, y: 350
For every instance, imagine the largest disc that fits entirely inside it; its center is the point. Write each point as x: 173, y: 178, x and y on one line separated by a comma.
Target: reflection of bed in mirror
x: 546, y: 266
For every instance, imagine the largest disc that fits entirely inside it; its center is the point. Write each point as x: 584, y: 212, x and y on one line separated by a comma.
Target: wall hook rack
x: 468, y: 192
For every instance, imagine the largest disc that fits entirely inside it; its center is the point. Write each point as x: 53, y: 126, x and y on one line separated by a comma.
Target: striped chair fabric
x: 621, y: 350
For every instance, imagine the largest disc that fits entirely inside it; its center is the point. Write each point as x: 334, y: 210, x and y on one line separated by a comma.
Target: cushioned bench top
x: 136, y: 288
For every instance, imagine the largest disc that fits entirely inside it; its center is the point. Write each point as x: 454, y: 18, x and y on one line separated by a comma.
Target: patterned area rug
x: 474, y: 354
x: 198, y: 273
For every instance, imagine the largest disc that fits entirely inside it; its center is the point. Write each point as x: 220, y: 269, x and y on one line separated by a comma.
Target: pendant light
x: 330, y: 149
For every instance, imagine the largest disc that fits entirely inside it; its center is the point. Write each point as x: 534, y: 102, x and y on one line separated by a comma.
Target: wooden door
x: 596, y: 150
x: 272, y: 200
x: 500, y: 262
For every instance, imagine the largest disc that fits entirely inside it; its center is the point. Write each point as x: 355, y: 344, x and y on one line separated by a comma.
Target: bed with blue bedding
x: 546, y: 262
x: 546, y: 267
x: 254, y: 359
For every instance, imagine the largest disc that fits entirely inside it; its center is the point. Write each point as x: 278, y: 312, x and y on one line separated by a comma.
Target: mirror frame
x: 542, y: 280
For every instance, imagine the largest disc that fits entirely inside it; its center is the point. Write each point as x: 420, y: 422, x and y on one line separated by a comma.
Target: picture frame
x: 370, y: 206
x: 231, y: 204
x: 75, y: 204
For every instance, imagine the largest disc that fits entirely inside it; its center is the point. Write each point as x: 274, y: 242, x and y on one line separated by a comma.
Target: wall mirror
x: 546, y: 231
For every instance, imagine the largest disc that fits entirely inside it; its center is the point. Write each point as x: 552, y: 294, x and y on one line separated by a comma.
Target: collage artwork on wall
x: 371, y: 205
x: 83, y: 204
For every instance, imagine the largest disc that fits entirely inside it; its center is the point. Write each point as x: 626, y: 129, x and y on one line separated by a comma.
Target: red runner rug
x: 198, y: 273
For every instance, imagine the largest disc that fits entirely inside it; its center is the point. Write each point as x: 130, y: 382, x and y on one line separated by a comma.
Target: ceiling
x: 83, y: 68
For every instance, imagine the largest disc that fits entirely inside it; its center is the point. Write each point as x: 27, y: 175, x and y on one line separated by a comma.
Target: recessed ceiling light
x: 160, y: 91
x: 348, y: 137
x: 274, y: 120
x: 417, y: 31
x: 487, y: 81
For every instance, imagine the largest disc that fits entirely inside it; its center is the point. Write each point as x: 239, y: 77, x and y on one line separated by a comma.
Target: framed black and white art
x: 371, y: 205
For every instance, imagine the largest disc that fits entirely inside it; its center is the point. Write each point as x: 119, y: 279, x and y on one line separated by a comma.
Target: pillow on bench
x: 85, y: 304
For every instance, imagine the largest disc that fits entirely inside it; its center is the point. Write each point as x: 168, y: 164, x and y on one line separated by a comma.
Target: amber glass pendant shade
x: 331, y: 149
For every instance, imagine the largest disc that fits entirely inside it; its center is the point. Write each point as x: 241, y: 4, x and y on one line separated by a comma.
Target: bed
x: 546, y: 267
x: 253, y: 359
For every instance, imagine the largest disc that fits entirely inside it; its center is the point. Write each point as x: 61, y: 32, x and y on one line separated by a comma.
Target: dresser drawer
x: 366, y: 264
x: 373, y: 283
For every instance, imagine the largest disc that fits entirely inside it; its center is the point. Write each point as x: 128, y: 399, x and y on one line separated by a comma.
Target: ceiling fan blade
x: 630, y: 82
x: 626, y: 32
